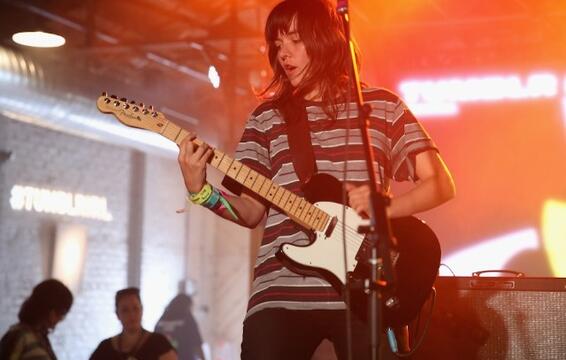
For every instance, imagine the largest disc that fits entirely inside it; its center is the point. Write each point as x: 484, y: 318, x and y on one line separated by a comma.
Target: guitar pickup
x: 331, y: 226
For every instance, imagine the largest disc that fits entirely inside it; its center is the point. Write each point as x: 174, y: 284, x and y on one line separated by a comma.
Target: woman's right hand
x: 192, y: 160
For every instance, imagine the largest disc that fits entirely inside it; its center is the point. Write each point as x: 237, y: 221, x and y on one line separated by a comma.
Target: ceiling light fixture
x: 213, y: 76
x: 38, y: 39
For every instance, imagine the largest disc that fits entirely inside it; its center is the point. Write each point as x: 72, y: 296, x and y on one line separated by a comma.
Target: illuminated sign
x: 28, y: 198
x: 492, y: 253
x: 497, y: 252
x: 441, y: 97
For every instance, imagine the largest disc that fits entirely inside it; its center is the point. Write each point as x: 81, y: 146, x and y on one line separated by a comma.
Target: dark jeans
x: 274, y: 334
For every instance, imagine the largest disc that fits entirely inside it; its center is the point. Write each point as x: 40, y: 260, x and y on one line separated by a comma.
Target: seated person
x: 134, y: 342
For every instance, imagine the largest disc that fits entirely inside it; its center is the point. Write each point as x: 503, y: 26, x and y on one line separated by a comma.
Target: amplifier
x: 496, y: 318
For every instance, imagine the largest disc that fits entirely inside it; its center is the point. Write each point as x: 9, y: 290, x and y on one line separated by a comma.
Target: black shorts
x: 280, y: 334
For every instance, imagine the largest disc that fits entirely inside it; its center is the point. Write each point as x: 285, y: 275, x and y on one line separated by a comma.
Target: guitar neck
x: 296, y: 207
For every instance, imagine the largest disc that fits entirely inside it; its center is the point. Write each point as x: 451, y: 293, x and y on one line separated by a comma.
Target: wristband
x: 226, y: 205
x: 202, y: 196
x: 212, y: 200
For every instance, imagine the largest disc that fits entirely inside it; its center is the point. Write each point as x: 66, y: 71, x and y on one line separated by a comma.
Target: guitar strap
x: 299, y: 138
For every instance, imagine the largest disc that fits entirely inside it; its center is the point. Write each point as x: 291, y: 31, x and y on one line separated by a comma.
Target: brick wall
x: 48, y: 159
x: 219, y: 264
x: 163, y: 251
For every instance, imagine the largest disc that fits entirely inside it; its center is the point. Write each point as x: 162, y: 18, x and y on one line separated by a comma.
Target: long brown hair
x: 48, y: 295
x: 321, y: 31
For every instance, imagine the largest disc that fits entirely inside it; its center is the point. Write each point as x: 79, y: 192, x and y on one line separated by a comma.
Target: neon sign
x: 442, y: 97
x: 32, y: 199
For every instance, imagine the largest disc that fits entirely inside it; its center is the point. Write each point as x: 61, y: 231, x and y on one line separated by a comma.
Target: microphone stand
x: 379, y: 232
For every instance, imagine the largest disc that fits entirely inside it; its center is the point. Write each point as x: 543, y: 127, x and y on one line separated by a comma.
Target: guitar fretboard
x: 296, y: 207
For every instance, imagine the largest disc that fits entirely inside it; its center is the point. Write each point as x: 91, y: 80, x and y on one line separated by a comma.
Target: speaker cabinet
x: 496, y: 318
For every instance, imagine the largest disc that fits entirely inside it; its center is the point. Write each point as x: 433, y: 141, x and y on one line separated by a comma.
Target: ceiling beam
x: 161, y: 60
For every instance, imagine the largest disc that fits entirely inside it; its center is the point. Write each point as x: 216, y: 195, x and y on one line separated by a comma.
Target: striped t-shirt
x: 396, y: 138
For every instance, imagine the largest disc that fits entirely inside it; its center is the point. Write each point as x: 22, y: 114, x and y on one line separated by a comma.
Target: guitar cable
x: 391, y: 336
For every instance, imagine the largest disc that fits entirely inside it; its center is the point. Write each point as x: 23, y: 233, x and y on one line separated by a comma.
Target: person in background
x: 134, y: 342
x: 47, y: 305
x: 180, y: 327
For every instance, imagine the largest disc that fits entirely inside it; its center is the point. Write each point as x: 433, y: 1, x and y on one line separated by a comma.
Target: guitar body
x: 416, y: 265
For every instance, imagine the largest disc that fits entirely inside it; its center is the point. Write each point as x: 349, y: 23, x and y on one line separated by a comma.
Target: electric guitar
x: 417, y: 254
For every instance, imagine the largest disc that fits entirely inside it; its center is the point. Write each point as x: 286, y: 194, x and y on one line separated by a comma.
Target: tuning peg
x: 104, y: 93
x: 116, y: 103
x: 141, y: 105
x: 126, y: 106
x: 150, y: 107
x: 145, y: 111
x: 154, y: 114
x: 123, y: 99
x: 113, y: 96
x: 132, y: 102
x: 136, y: 109
x: 107, y: 100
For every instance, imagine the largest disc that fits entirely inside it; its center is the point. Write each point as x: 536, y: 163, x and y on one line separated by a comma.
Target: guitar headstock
x: 131, y: 114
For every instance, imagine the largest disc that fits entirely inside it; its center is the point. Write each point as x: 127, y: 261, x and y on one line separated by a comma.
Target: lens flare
x: 554, y: 235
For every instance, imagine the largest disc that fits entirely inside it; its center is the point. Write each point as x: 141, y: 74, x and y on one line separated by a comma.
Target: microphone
x: 342, y: 6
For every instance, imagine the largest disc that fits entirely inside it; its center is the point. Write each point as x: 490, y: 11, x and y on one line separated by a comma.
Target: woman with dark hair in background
x: 180, y: 327
x: 134, y: 342
x: 47, y: 305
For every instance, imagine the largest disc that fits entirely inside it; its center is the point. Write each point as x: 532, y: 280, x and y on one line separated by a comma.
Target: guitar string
x: 352, y: 239
x: 349, y: 230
